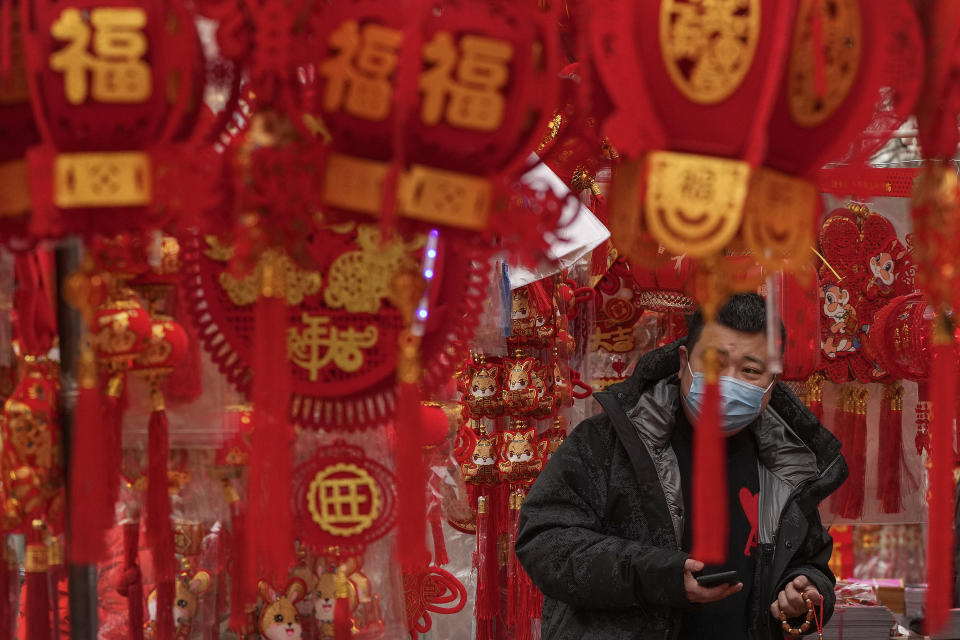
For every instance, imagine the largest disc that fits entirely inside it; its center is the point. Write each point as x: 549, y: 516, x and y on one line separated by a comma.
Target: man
x: 605, y: 530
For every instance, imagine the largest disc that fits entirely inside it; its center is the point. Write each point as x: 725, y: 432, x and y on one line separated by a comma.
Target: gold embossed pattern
x: 841, y: 45
x: 708, y: 46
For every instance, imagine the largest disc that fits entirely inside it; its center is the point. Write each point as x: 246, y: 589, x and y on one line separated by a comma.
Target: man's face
x: 739, y: 355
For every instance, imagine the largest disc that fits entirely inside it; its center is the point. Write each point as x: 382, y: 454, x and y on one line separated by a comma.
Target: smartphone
x: 716, y: 579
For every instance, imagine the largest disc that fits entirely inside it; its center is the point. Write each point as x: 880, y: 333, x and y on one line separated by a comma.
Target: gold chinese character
x: 358, y: 78
x: 344, y: 499
x: 319, y: 343
x: 618, y: 340
x: 474, y: 101
x: 116, y: 64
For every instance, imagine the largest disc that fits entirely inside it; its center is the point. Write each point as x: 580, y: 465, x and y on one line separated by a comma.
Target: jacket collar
x: 786, y: 428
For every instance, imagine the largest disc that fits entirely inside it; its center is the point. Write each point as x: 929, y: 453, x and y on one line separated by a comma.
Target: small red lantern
x: 121, y: 331
x: 166, y: 348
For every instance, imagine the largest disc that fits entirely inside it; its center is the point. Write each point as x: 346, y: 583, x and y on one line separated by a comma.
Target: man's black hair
x: 746, y: 312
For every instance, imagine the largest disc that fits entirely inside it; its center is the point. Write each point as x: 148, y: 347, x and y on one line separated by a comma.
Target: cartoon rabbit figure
x: 842, y: 318
x: 523, y: 320
x: 521, y: 456
x: 185, y: 603
x: 279, y: 618
x: 480, y: 467
x: 521, y: 392
x: 483, y: 395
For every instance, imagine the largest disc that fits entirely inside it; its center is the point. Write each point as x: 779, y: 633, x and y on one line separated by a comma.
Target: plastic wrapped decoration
x: 108, y: 145
x: 344, y: 502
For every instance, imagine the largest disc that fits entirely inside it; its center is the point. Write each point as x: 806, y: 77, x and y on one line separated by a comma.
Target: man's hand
x: 696, y: 593
x: 790, y: 601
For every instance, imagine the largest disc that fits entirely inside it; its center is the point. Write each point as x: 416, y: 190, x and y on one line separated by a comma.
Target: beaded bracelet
x: 806, y: 623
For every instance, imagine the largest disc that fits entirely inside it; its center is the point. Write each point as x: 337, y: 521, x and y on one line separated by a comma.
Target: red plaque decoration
x: 117, y: 90
x: 343, y: 328
x: 343, y: 499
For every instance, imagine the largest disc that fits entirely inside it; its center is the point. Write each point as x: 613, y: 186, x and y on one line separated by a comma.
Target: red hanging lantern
x: 433, y: 113
x: 113, y: 86
x: 120, y: 330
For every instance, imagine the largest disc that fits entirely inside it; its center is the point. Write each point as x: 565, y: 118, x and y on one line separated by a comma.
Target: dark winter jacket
x: 599, y: 532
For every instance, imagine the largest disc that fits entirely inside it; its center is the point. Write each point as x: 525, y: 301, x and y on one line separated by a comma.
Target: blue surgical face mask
x: 741, y: 400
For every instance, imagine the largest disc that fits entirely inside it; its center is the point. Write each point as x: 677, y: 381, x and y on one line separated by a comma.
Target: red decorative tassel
x: 411, y: 480
x: 131, y: 581
x: 185, y: 384
x: 37, y: 584
x: 213, y: 553
x: 114, y: 401
x: 843, y: 431
x: 890, y: 466
x: 440, y: 556
x: 238, y: 574
x: 940, y: 543
x: 814, y: 395
x: 710, y: 519
x: 90, y: 515
x: 485, y: 563
x: 342, y: 622
x: 513, y: 583
x: 6, y: 625
x: 159, y: 531
x: 270, y: 548
x: 856, y: 454
x: 599, y: 262
x: 541, y: 294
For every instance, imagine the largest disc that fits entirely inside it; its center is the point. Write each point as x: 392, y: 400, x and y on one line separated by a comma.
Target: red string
x: 818, y: 617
